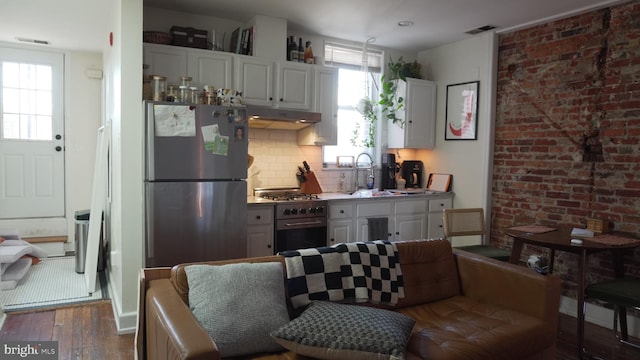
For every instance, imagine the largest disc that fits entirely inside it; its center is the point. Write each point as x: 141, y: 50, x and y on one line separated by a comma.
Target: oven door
x: 303, y: 233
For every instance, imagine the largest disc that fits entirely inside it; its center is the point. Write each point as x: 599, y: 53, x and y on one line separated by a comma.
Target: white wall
x: 470, y: 161
x: 123, y: 92
x: 83, y: 117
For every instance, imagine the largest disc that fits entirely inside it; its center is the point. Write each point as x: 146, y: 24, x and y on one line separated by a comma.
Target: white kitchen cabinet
x: 325, y: 93
x: 293, y: 85
x: 259, y: 79
x: 260, y: 230
x: 254, y: 78
x: 410, y: 220
x: 419, y: 116
x: 436, y: 208
x: 340, y: 222
x: 211, y: 68
x: 168, y: 61
x: 366, y: 209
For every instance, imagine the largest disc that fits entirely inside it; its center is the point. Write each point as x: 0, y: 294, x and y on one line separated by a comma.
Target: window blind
x: 351, y: 57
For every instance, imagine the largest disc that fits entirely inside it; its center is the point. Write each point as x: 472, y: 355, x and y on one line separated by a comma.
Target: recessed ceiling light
x: 405, y: 23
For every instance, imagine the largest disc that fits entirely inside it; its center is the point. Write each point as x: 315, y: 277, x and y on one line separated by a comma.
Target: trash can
x: 82, y: 236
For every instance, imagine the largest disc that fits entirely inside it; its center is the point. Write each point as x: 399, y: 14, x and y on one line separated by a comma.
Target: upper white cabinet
x: 326, y: 103
x: 165, y: 60
x: 293, y: 85
x: 419, y: 116
x: 254, y: 78
x: 205, y: 67
x: 211, y: 68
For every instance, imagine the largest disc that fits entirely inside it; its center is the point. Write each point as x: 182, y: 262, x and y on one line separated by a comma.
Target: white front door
x: 31, y: 134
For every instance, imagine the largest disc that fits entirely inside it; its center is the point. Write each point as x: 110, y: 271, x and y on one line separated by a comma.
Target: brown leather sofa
x: 466, y: 307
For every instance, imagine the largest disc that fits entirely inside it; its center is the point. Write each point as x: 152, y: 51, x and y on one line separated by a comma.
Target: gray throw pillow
x: 239, y: 305
x: 327, y: 330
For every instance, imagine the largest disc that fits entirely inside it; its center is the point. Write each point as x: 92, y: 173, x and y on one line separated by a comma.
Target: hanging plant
x: 368, y: 110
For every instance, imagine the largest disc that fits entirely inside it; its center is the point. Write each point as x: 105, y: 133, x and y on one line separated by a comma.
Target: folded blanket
x: 363, y: 271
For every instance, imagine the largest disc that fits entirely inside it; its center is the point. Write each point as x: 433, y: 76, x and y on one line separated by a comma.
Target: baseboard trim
x: 598, y: 315
x: 46, y: 239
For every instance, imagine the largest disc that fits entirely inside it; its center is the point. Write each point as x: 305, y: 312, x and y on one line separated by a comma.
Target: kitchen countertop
x: 361, y: 194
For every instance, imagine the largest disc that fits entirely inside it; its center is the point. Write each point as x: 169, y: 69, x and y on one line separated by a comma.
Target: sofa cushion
x: 462, y: 328
x: 429, y: 272
x: 239, y: 305
x: 327, y: 330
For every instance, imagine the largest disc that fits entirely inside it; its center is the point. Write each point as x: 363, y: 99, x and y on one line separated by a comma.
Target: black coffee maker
x: 388, y: 171
x: 412, y: 173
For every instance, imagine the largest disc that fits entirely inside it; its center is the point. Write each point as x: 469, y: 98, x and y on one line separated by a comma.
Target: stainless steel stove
x: 300, y: 219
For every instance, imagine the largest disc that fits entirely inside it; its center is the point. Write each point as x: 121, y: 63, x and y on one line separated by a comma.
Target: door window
x: 26, y: 101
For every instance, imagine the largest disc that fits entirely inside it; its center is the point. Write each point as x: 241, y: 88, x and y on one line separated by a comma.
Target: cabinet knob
x: 269, y: 246
x: 397, y: 233
x: 410, y: 121
x: 332, y: 240
x: 441, y: 204
x: 341, y: 211
x: 440, y: 225
x: 270, y: 98
x: 258, y: 217
x: 281, y: 99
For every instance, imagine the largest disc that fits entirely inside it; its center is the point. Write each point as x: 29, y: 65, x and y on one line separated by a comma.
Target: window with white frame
x: 358, y: 76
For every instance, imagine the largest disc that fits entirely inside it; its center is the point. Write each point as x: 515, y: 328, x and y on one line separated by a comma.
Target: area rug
x: 52, y: 282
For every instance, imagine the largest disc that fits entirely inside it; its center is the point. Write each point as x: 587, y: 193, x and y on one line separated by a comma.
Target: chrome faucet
x: 370, y: 177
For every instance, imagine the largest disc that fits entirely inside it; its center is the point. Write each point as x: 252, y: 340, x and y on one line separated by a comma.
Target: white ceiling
x: 83, y: 24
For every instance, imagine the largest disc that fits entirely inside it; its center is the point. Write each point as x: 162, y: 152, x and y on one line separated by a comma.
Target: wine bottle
x: 300, y: 51
x: 293, y: 50
x: 287, y: 49
x: 308, y: 53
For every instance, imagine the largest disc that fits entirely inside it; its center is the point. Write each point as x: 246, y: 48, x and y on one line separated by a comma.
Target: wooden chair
x: 622, y: 293
x: 466, y: 222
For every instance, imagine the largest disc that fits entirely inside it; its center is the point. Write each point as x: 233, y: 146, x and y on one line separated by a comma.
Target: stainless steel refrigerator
x: 195, y: 183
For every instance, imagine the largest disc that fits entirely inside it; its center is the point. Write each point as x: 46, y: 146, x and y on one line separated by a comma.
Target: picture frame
x: 461, y: 117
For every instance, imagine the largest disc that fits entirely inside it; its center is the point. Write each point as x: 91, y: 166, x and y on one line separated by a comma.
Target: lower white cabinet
x: 366, y: 209
x: 260, y: 230
x: 410, y: 222
x: 340, y: 222
x: 436, y: 222
x: 408, y: 217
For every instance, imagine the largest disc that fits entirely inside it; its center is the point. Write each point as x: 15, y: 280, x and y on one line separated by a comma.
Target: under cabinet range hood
x: 261, y: 117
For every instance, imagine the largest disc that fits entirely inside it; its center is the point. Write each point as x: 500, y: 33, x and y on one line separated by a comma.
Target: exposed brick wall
x: 568, y: 130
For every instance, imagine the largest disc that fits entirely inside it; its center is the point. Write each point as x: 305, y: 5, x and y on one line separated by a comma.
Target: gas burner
x: 284, y: 194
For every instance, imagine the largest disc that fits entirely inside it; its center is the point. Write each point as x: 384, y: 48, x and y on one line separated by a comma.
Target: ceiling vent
x: 33, y: 41
x: 480, y: 29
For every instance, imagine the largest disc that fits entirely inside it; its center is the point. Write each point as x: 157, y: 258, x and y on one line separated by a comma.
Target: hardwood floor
x: 82, y: 331
x: 89, y: 332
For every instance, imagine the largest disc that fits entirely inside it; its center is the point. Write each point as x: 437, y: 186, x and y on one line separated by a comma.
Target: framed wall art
x: 462, y: 111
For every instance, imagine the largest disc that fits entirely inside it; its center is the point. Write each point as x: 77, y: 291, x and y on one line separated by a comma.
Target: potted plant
x: 389, y: 101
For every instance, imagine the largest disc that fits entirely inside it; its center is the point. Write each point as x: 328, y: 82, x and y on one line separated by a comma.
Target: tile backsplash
x: 277, y: 156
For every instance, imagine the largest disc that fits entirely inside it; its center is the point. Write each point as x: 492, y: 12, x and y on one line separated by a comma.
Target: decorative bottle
x: 308, y: 53
x: 300, y: 51
x: 293, y: 50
